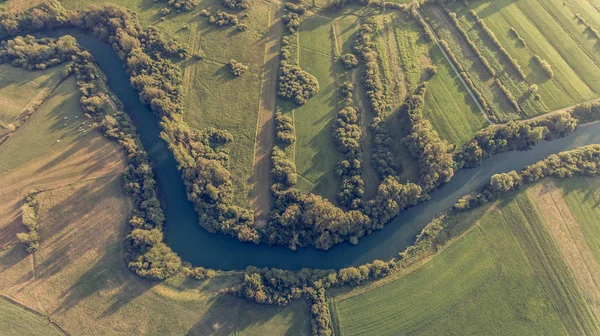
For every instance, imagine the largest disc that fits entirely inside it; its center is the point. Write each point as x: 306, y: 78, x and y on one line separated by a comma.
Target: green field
x: 316, y: 154
x: 505, y: 274
x: 20, y: 88
x: 551, y: 31
x: 16, y: 321
x: 582, y: 196
x: 54, y: 125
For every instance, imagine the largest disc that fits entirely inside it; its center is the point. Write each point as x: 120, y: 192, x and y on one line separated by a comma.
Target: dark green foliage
x: 383, y: 160
x: 513, y: 136
x: 348, y: 138
x: 181, y: 5
x: 349, y: 61
x: 436, y: 165
x: 583, y: 161
x: 291, y: 21
x: 587, y: 112
x: 321, y: 318
x: 27, y: 52
x: 296, y: 84
x: 236, y: 4
x: 237, y: 68
x: 284, y: 129
x: 294, y: 8
x: 283, y: 171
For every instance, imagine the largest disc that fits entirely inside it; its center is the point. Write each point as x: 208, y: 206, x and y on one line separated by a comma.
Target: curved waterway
x: 216, y: 251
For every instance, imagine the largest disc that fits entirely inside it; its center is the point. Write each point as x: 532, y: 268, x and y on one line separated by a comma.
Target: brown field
x: 570, y: 239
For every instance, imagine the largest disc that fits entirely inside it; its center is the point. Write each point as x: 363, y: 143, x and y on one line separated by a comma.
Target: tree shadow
x: 230, y: 315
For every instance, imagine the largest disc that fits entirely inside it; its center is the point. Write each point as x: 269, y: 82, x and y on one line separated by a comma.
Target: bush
x: 544, y: 65
x: 296, y: 84
x: 237, y: 68
x: 236, y: 4
x: 349, y: 61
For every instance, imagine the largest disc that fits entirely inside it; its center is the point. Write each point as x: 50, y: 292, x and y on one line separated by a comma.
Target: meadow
x: 78, y: 278
x: 21, y: 88
x: 550, y: 30
x: 16, y: 320
x: 504, y: 273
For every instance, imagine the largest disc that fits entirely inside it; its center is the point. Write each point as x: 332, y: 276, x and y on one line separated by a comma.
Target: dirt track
x: 265, y: 128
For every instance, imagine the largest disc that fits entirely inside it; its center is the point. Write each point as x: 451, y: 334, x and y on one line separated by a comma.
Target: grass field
x: 54, y: 125
x: 20, y: 87
x: 78, y: 278
x: 549, y: 30
x: 16, y: 320
x: 505, y: 274
x: 316, y: 154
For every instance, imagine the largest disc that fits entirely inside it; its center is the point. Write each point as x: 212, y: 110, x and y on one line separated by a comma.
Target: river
x: 194, y: 244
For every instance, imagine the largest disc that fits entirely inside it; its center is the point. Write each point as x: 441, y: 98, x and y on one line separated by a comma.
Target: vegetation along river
x: 216, y: 251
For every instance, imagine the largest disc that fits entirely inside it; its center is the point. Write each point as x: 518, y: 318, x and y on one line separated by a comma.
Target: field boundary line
x: 35, y: 312
x: 437, y: 42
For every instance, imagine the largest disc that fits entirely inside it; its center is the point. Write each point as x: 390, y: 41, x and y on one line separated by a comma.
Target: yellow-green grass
x: 481, y: 78
x: 18, y: 321
x: 504, y: 276
x: 505, y: 72
x: 213, y: 97
x: 316, y: 155
x: 47, y: 129
x: 573, y: 69
x: 216, y: 98
x: 583, y: 197
x: 19, y: 87
x: 448, y: 105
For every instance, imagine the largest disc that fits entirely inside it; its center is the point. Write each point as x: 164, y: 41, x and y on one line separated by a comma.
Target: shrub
x: 236, y: 4
x: 349, y: 61
x: 544, y: 65
x: 296, y: 84
x: 237, y: 68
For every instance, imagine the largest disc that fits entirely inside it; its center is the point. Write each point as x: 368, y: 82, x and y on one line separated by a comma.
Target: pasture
x: 505, y: 272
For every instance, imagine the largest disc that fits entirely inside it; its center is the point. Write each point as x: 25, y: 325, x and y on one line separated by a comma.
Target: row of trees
x: 511, y: 99
x: 348, y: 138
x: 512, y: 136
x: 490, y: 34
x: 236, y: 4
x: 546, y: 67
x: 583, y: 161
x: 384, y: 161
x: 181, y: 5
x: 466, y: 77
x: 434, y: 155
x: 470, y: 42
x: 29, y: 217
x: 588, y: 27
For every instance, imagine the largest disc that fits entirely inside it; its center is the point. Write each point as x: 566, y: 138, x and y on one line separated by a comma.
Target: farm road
x: 265, y: 128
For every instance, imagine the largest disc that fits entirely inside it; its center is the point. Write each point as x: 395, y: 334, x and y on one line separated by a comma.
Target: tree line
x: 490, y: 34
x: 582, y: 161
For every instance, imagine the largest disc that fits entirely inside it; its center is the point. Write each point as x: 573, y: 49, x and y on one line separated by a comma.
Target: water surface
x: 194, y: 244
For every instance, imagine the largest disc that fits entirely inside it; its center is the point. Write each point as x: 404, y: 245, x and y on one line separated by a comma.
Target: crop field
x: 20, y: 87
x: 77, y: 278
x: 16, y: 320
x: 506, y: 271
